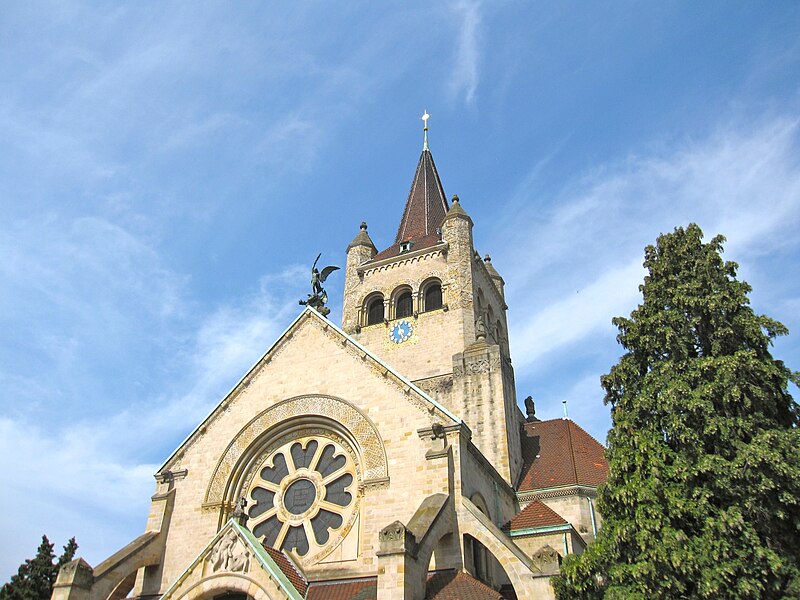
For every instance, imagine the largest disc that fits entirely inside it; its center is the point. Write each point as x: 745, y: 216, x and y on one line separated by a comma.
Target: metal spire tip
x: 425, y: 118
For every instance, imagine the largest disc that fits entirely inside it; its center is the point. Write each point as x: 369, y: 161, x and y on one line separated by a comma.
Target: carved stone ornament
x: 474, y: 367
x: 229, y: 554
x: 547, y: 560
x: 396, y: 537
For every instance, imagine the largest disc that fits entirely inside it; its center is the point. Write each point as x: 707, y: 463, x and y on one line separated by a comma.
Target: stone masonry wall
x: 396, y: 413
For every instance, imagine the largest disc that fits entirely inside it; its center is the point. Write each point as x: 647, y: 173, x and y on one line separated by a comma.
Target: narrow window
x: 433, y: 296
x: 375, y: 311
x: 405, y: 305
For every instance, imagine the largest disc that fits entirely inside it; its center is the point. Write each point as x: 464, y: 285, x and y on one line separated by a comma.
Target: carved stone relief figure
x: 229, y: 554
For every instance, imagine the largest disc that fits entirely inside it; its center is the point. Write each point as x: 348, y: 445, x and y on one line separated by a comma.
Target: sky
x: 170, y: 170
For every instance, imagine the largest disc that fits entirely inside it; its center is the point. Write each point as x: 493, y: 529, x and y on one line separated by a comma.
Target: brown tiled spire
x: 426, y: 205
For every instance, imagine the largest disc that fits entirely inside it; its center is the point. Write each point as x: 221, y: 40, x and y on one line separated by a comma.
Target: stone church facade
x: 386, y: 458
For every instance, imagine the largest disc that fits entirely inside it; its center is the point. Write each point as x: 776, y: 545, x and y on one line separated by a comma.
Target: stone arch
x: 478, y: 500
x: 431, y: 295
x: 373, y: 310
x: 479, y: 554
x: 357, y: 426
x: 515, y: 563
x: 216, y: 585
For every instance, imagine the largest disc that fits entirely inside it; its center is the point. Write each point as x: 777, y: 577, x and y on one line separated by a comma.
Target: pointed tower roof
x: 426, y: 205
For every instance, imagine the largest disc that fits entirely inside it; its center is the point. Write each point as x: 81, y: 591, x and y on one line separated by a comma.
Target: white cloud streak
x: 464, y: 77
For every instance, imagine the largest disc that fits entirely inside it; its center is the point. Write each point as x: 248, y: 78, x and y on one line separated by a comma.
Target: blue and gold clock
x: 401, y: 331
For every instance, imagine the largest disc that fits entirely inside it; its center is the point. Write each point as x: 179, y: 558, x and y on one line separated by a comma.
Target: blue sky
x: 169, y: 171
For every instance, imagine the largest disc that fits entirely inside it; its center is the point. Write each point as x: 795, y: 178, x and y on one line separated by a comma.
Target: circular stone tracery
x: 302, y: 493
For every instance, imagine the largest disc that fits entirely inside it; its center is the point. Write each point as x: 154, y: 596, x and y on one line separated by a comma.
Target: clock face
x: 401, y: 331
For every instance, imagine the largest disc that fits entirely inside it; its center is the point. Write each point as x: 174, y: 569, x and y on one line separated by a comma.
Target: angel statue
x: 318, y: 296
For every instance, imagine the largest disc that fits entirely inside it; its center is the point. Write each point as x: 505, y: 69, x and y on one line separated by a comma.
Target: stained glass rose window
x: 303, y: 495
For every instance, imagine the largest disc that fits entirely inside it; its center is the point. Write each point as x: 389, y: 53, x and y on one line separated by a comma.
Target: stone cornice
x: 400, y: 259
x: 557, y: 492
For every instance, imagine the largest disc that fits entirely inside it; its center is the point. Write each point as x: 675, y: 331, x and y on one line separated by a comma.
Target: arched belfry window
x: 375, y: 310
x: 404, y: 304
x: 432, y: 296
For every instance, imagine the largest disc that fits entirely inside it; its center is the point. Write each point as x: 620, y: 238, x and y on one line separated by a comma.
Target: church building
x: 386, y: 458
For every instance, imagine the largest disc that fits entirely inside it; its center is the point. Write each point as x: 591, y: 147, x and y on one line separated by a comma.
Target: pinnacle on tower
x: 362, y: 238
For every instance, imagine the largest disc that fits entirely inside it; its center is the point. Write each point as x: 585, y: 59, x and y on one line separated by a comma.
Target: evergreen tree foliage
x: 35, y: 577
x: 703, y: 494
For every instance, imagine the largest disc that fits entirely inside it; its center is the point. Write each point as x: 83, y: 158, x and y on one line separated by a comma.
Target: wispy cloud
x: 583, y: 255
x: 97, y: 487
x: 464, y: 78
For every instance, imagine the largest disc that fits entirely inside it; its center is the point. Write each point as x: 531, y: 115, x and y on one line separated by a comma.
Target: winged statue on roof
x: 318, y: 296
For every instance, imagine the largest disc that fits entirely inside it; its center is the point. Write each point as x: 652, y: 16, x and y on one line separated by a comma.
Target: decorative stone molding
x: 436, y: 386
x: 403, y: 259
x: 170, y: 476
x: 480, y: 365
x: 372, y: 455
x: 568, y: 490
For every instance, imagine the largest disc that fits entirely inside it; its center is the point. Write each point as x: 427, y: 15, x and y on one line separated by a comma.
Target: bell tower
x: 435, y: 312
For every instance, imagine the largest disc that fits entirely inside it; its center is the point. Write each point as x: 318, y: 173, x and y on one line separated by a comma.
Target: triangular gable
x: 236, y: 550
x: 285, y: 337
x: 536, y: 515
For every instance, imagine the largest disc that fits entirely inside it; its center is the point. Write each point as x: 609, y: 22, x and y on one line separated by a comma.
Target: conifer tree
x: 703, y: 494
x: 36, y: 576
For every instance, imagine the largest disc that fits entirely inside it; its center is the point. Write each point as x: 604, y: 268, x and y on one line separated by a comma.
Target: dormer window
x: 406, y: 246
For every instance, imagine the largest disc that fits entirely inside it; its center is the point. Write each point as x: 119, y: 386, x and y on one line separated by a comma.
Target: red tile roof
x: 442, y: 585
x: 559, y: 452
x: 426, y: 241
x: 287, y: 566
x: 343, y: 589
x: 536, y: 514
x: 426, y: 205
x: 457, y: 585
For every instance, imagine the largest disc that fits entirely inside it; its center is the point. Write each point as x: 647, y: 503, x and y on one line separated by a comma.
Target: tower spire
x: 425, y: 118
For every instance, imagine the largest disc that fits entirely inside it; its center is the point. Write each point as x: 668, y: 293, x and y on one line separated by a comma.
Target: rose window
x: 303, y: 496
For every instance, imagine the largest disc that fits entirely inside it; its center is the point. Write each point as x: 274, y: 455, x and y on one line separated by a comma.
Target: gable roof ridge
x: 586, y: 433
x: 303, y: 314
x: 571, y: 449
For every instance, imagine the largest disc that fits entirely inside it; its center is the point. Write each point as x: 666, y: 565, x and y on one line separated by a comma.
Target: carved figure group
x: 229, y: 554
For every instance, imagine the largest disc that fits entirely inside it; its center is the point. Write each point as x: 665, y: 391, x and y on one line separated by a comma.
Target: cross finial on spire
x: 425, y: 118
